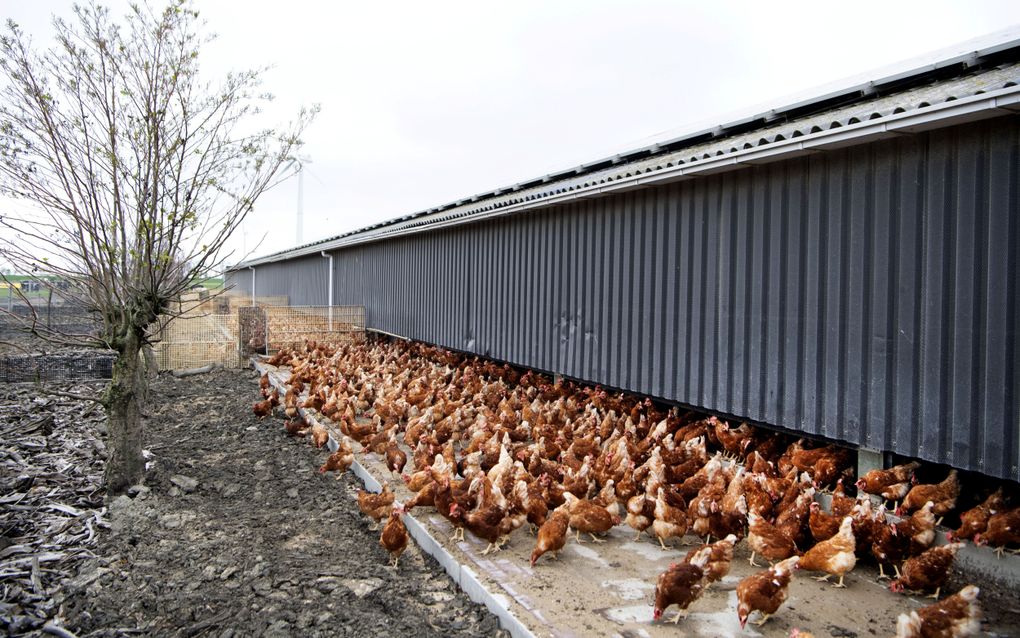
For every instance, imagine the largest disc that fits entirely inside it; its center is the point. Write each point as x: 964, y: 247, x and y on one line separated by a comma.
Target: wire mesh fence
x: 19, y: 319
x: 26, y: 357
x: 65, y: 365
x: 252, y: 327
x: 291, y: 325
x: 196, y: 340
x: 226, y: 329
x: 202, y: 328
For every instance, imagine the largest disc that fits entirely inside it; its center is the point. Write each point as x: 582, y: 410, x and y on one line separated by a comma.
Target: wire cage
x: 227, y: 329
x: 26, y: 357
x: 196, y: 340
x: 292, y: 325
x: 64, y: 365
x: 62, y: 318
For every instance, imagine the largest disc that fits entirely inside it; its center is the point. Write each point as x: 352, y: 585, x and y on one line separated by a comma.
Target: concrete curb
x: 461, y: 574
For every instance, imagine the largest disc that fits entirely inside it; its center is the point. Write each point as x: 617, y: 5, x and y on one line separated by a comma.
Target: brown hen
x: 640, y: 513
x: 394, y: 535
x: 680, y: 585
x: 588, y: 518
x: 835, y: 556
x: 823, y: 526
x: 552, y: 535
x: 320, y: 436
x: 396, y: 458
x: 341, y: 460
x: 769, y: 541
x: 943, y: 495
x: 765, y: 591
x: 877, y: 481
x: 719, y: 558
x: 374, y: 505
x: 1003, y: 529
x: 975, y: 520
x: 263, y: 409
x: 670, y: 521
x: 955, y: 617
x: 927, y: 572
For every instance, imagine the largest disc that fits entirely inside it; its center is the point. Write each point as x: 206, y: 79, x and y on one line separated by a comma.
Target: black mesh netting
x: 66, y: 365
x: 65, y: 319
x: 23, y: 356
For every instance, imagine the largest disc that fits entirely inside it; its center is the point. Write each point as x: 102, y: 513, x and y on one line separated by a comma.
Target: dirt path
x: 239, y: 535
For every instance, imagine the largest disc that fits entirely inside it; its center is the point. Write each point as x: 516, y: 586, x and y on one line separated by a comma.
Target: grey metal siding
x: 304, y: 281
x: 866, y: 294
x: 238, y: 281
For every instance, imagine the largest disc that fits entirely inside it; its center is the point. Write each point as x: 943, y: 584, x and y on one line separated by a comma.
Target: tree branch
x: 68, y: 395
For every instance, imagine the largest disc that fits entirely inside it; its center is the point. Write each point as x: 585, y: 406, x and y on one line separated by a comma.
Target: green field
x: 209, y: 283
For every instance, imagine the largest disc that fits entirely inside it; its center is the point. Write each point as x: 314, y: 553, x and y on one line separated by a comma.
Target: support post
x: 868, y: 460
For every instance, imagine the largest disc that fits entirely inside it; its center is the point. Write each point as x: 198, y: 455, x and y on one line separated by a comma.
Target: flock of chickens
x: 494, y: 450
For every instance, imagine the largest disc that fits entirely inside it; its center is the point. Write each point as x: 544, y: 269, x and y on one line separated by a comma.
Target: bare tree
x: 131, y: 171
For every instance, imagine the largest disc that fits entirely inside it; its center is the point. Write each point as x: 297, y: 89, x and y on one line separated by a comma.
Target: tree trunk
x: 151, y: 365
x: 125, y: 465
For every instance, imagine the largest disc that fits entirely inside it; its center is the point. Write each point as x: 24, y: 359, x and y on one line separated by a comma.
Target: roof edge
x: 934, y: 116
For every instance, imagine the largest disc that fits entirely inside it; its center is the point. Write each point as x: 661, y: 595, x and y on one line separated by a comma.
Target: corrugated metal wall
x: 867, y: 295
x: 304, y: 281
x: 235, y: 281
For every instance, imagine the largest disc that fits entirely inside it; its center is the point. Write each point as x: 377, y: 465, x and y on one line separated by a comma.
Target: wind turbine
x: 301, y: 162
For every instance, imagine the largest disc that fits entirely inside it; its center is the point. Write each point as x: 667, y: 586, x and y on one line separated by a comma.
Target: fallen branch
x: 201, y: 626
x: 57, y: 630
x: 37, y: 586
x: 71, y: 395
x: 180, y: 374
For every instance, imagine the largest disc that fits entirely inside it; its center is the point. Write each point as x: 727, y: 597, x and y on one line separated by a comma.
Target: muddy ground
x: 237, y: 534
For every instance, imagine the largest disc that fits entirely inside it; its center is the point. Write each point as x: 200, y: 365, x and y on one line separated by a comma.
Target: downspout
x: 252, y: 269
x: 330, y: 296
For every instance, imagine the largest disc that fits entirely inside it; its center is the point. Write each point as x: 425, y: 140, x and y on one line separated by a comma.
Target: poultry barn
x: 796, y: 329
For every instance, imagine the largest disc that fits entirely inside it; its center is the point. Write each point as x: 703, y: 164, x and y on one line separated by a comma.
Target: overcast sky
x: 424, y: 103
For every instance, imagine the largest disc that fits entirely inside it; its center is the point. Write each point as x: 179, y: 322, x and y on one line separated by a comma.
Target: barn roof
x: 953, y: 90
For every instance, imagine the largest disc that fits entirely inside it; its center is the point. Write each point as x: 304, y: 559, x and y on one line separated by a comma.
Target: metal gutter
x: 329, y: 256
